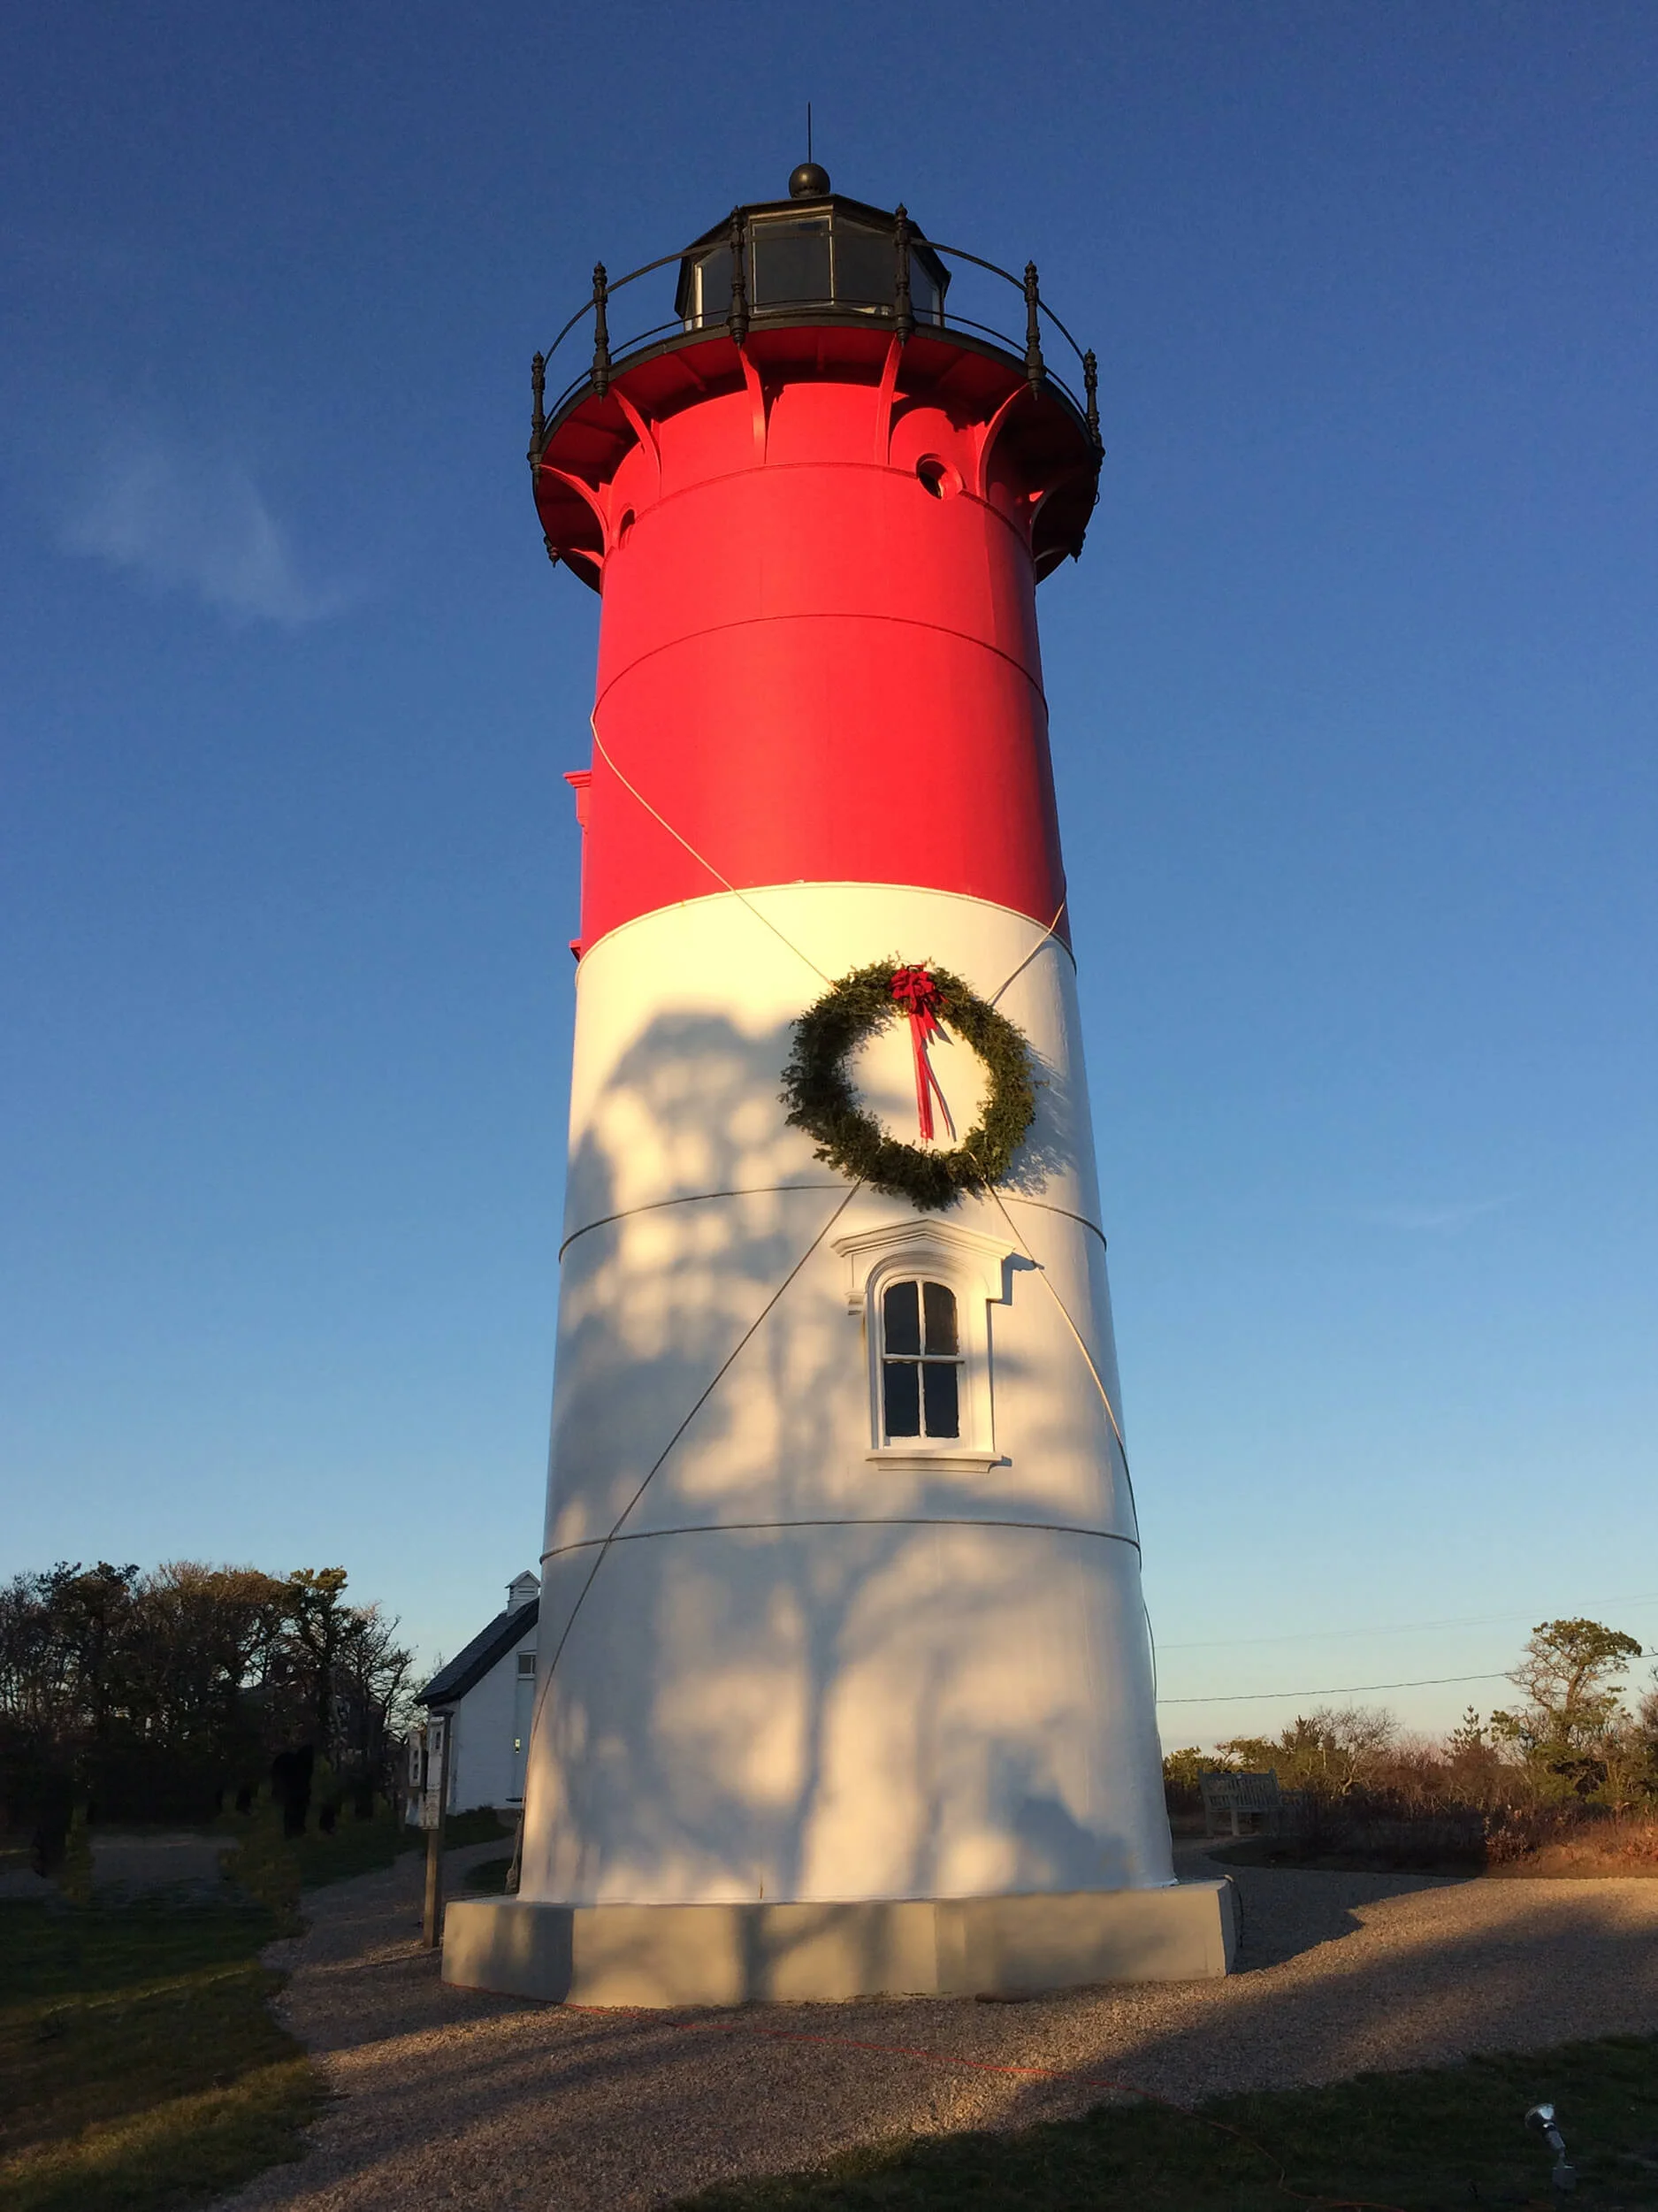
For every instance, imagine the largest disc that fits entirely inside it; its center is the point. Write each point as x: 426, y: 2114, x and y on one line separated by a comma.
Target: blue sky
x: 1353, y: 698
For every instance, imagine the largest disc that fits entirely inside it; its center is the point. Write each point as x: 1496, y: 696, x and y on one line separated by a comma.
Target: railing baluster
x: 905, y: 317
x: 538, y: 409
x: 601, y: 332
x: 736, y: 321
x: 1034, y: 370
x: 1090, y: 389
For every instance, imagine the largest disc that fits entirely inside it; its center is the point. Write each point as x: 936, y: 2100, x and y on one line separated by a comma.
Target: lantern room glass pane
x: 901, y: 1320
x: 924, y: 299
x: 866, y: 267
x: 714, y: 282
x: 790, y: 261
x: 939, y: 1308
x: 939, y: 1399
x: 900, y: 1390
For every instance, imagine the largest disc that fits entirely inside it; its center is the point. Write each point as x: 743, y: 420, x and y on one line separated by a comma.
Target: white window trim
x: 976, y: 1268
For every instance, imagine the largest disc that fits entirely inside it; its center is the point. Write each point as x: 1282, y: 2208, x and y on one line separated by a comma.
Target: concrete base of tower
x: 738, y: 1954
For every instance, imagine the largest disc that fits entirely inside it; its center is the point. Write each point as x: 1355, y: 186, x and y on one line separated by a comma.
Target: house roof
x: 469, y: 1665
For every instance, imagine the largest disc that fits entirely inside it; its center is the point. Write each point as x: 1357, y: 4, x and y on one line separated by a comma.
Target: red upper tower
x: 817, y: 507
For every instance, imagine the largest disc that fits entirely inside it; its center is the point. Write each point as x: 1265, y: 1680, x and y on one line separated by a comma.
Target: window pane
x: 901, y: 1312
x: 938, y: 1386
x: 939, y: 1305
x: 792, y: 262
x: 866, y: 267
x: 900, y: 1383
x: 714, y: 275
x: 923, y: 294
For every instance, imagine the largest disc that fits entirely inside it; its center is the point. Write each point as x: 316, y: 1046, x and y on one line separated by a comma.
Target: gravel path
x: 453, y: 2098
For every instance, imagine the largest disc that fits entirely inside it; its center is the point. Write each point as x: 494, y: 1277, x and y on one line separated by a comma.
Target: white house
x: 487, y: 1692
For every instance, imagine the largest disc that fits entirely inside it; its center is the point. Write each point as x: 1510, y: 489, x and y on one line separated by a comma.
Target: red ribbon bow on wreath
x: 914, y: 989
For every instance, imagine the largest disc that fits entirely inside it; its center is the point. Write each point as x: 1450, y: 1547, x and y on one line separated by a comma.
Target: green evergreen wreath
x: 818, y: 1094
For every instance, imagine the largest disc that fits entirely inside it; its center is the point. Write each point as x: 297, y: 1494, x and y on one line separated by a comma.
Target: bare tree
x: 1332, y: 1750
x: 373, y: 1695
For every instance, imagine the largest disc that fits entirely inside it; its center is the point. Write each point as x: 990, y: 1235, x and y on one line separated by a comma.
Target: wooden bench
x: 1235, y: 1795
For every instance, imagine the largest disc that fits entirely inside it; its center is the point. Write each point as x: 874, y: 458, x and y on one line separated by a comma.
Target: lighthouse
x: 844, y: 1675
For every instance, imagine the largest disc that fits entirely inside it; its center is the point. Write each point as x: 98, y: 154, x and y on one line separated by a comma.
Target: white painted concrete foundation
x: 825, y: 1953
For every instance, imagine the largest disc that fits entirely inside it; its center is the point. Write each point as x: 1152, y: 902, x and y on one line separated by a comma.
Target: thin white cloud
x: 192, y: 520
x: 1457, y: 1214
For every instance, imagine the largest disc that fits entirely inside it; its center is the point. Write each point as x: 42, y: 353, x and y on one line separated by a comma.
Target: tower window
x: 922, y: 1292
x: 526, y: 1664
x: 920, y: 1360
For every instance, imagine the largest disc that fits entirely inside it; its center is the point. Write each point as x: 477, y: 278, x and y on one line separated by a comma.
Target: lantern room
x: 818, y: 289
x: 815, y: 252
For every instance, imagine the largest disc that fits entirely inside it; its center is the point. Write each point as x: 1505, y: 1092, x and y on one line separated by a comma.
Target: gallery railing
x: 610, y: 355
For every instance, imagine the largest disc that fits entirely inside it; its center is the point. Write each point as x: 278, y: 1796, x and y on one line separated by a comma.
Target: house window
x: 526, y: 1662
x: 920, y: 1360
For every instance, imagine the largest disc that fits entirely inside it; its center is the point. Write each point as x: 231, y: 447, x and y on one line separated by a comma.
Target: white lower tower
x: 893, y: 1695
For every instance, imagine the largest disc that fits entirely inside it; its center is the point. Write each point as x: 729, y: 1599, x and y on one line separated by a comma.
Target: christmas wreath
x: 819, y: 1093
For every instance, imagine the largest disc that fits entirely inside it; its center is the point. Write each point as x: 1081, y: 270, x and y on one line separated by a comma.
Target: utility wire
x: 1347, y: 1689
x: 1391, y: 1629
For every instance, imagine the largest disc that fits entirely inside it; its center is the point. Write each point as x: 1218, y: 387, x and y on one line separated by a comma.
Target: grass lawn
x: 355, y: 1847
x: 361, y: 1847
x: 140, y: 2065
x: 1445, y: 2140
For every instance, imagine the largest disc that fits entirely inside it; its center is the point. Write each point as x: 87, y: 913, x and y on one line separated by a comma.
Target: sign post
x: 435, y: 1791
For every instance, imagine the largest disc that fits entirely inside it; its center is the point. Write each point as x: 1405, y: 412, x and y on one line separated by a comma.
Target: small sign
x: 432, y: 1797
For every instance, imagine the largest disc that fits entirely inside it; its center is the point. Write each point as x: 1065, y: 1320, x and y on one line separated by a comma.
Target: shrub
x: 75, y: 1873
x: 264, y: 1864
x: 1182, y: 1792
x: 1379, y: 1828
